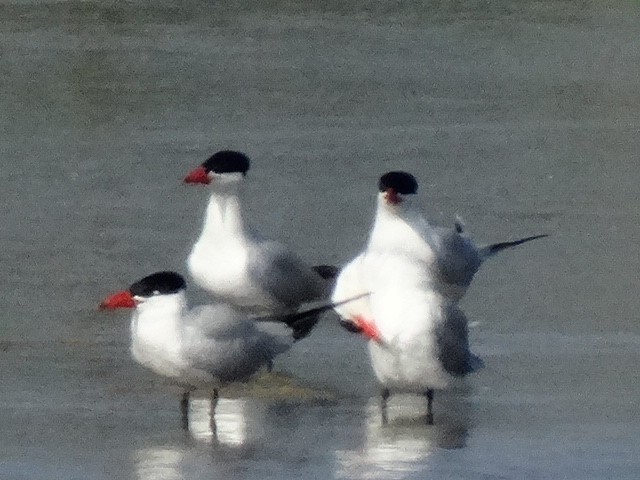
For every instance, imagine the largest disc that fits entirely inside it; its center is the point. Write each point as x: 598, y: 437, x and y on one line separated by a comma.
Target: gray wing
x: 283, y: 275
x: 452, y: 338
x: 226, y: 344
x: 458, y: 259
x: 217, y: 321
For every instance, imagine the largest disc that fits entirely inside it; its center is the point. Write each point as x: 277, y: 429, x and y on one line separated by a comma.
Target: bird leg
x: 429, y: 395
x: 383, y: 404
x: 184, y: 410
x: 212, y: 420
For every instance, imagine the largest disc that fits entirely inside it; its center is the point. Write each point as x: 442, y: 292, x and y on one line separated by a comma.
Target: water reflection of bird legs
x: 184, y: 410
x: 385, y: 394
x: 383, y: 404
x: 429, y: 395
x: 212, y: 419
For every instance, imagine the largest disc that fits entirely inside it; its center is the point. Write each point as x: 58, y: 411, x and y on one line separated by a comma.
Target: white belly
x: 223, y: 272
x: 408, y: 365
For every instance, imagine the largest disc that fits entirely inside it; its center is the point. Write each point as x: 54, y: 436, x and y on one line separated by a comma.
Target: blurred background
x: 519, y: 116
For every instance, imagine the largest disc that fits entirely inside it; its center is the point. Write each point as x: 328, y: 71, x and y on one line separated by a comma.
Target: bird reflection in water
x: 228, y: 427
x: 237, y: 424
x: 159, y: 462
x: 404, y: 444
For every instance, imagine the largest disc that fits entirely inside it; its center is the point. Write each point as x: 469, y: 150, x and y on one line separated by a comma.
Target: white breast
x: 156, y: 339
x: 406, y: 311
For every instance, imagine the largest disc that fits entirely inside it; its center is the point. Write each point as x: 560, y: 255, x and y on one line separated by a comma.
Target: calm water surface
x: 519, y: 116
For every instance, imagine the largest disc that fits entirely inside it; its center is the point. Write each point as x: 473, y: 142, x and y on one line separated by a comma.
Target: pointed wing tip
x: 327, y: 272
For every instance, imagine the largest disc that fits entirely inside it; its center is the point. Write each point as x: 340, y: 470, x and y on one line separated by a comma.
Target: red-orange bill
x: 368, y: 329
x: 122, y: 299
x: 198, y: 175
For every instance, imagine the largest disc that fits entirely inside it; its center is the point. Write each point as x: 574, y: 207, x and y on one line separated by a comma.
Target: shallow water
x: 521, y: 117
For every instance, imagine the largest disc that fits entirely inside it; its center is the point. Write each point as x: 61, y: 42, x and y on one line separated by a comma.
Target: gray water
x: 519, y: 116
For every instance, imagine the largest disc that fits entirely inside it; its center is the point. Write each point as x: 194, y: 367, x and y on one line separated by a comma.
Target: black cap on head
x: 227, y: 161
x: 401, y: 182
x: 158, y: 283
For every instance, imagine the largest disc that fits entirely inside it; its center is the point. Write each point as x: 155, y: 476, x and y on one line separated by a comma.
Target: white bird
x: 448, y: 255
x: 449, y: 259
x: 205, y: 347
x: 234, y: 262
x: 415, y: 273
x: 418, y: 338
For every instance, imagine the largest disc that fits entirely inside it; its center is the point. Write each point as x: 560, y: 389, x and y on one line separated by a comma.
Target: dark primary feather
x: 327, y: 272
x: 349, y: 326
x: 497, y: 247
x: 302, y: 322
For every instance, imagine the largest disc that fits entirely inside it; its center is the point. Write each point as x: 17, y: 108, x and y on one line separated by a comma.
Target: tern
x: 205, y: 347
x: 449, y: 256
x: 234, y: 262
x: 416, y: 273
x: 418, y: 339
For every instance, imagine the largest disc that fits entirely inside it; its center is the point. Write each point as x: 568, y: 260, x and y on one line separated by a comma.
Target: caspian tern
x: 204, y: 347
x: 418, y: 338
x: 450, y: 256
x: 235, y: 263
x: 415, y: 273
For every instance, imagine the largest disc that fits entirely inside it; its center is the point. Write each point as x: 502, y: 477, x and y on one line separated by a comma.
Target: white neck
x: 401, y: 228
x: 156, y: 331
x: 223, y: 216
x: 169, y: 308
